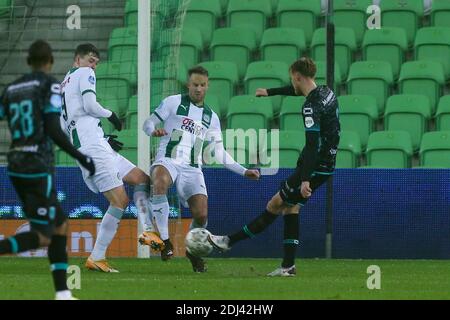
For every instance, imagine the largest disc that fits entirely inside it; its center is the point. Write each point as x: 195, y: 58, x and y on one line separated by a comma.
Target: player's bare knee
x: 120, y: 201
x: 275, y: 205
x: 136, y: 177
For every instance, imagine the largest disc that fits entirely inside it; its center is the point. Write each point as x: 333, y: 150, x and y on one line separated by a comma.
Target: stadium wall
x: 377, y: 213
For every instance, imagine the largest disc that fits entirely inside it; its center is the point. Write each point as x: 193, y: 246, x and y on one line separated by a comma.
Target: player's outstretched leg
x: 149, y: 236
x: 162, y: 180
x: 258, y: 225
x: 108, y: 228
x: 20, y: 243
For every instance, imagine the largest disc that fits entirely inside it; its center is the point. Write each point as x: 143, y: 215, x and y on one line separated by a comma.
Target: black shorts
x: 292, y: 195
x: 40, y: 203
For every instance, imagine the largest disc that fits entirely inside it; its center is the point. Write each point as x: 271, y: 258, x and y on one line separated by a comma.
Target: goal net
x: 115, y: 28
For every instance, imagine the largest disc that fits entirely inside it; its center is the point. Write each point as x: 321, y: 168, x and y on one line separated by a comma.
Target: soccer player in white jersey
x: 81, y: 118
x: 188, y: 123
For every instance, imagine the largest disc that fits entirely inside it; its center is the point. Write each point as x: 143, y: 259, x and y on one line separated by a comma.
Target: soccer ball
x: 197, y: 242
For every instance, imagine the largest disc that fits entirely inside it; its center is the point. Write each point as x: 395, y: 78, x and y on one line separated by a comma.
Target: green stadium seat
x: 405, y: 14
x: 443, y: 114
x: 283, y: 45
x: 433, y: 44
x: 5, y: 8
x: 426, y: 77
x: 234, y: 45
x: 242, y: 146
x: 129, y: 139
x: 371, y: 78
x: 435, y: 150
x: 132, y: 104
x: 132, y: 121
x: 291, y: 114
x: 113, y: 104
x: 189, y: 46
x: 131, y: 13
x: 300, y: 14
x: 223, y: 78
x: 267, y: 74
x: 440, y: 14
x: 386, y: 44
x: 349, y: 150
x: 389, y: 149
x: 202, y: 15
x: 155, y: 100
x: 249, y: 14
x: 167, y: 78
x: 345, y: 45
x: 116, y: 81
x: 358, y: 113
x: 408, y: 113
x: 321, y: 75
x: 122, y: 45
x: 288, y: 146
x: 249, y: 112
x: 212, y: 101
x: 224, y: 5
x: 352, y: 14
x: 130, y: 154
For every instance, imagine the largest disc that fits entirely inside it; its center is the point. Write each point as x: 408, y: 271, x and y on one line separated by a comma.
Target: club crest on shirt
x: 91, y: 80
x: 206, y: 118
x: 309, y: 122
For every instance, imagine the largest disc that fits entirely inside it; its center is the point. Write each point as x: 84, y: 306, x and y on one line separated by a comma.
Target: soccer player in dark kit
x: 32, y: 107
x: 314, y: 166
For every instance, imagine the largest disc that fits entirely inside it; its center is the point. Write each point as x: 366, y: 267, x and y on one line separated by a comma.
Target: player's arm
x: 150, y: 126
x: 310, y: 153
x: 90, y: 104
x: 214, y: 136
x: 281, y: 91
x: 160, y: 115
x: 52, y: 127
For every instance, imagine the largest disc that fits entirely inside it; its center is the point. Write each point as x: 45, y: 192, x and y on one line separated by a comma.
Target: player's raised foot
x: 167, y: 252
x: 99, y: 265
x: 283, y: 272
x: 151, y: 239
x: 198, y: 264
x: 221, y: 243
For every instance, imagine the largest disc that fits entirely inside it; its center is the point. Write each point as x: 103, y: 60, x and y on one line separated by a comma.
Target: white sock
x: 140, y: 198
x: 63, y: 295
x: 108, y: 229
x: 160, y: 212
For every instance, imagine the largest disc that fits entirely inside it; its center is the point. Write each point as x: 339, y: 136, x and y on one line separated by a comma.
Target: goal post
x: 143, y: 93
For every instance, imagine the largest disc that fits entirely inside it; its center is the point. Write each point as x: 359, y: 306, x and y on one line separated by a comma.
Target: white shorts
x: 188, y: 180
x: 110, y: 168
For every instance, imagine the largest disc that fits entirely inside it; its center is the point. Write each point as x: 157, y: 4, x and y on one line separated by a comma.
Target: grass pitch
x: 22, y: 278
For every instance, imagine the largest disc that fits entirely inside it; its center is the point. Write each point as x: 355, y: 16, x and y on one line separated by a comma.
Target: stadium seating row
x: 287, y: 44
x: 303, y: 14
x: 117, y: 81
x: 385, y: 149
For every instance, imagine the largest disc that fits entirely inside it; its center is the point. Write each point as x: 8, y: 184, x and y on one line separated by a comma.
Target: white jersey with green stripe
x: 82, y: 128
x: 188, y: 126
